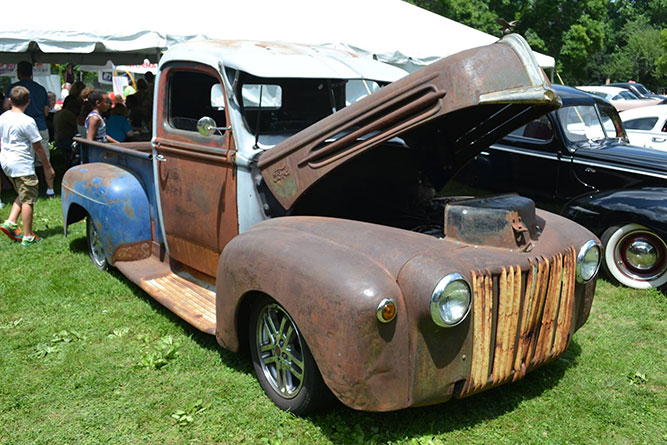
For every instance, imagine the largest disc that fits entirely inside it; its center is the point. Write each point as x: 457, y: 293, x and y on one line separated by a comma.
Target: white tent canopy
x: 389, y: 30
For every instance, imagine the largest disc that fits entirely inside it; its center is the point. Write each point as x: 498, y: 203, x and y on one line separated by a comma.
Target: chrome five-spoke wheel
x: 280, y: 351
x: 635, y: 256
x: 283, y: 363
x: 95, y: 248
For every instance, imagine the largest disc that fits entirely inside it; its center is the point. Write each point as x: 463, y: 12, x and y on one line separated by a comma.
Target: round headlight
x: 588, y: 261
x: 450, y: 301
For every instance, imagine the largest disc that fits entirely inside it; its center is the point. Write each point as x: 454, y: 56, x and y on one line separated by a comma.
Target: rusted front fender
x: 116, y: 201
x: 332, y: 292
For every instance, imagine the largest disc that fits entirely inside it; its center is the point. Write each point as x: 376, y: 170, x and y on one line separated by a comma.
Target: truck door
x: 196, y: 176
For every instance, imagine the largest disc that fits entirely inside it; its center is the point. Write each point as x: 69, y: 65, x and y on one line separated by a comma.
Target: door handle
x: 658, y: 139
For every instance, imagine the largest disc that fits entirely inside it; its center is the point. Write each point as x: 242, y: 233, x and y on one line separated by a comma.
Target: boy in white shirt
x: 19, y: 143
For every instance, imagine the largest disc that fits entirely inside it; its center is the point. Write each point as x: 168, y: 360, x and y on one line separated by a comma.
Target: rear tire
x: 283, y: 362
x: 635, y: 256
x: 95, y: 248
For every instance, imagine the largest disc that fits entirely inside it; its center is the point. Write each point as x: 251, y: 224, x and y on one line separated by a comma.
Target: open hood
x: 450, y: 110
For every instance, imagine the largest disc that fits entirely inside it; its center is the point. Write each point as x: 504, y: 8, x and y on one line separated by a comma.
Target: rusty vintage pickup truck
x: 286, y: 204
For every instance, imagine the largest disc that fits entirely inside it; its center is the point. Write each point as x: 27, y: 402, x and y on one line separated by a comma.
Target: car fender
x: 116, y: 201
x: 646, y: 206
x: 357, y: 355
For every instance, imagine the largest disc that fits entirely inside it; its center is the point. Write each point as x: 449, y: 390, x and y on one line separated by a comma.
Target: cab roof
x: 282, y: 60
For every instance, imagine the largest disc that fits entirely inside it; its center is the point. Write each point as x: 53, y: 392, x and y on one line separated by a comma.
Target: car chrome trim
x: 580, y: 259
x: 576, y: 161
x: 622, y: 169
x: 380, y: 308
x: 437, y: 293
x: 525, y: 152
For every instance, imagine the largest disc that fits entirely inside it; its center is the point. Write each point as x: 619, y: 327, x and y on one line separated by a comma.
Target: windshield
x: 626, y: 95
x: 612, y: 122
x: 286, y: 106
x: 583, y: 125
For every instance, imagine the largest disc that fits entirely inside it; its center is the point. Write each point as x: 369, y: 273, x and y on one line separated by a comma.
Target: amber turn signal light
x: 386, y: 310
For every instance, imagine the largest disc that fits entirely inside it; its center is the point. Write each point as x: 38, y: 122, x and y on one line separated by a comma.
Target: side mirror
x: 206, y: 126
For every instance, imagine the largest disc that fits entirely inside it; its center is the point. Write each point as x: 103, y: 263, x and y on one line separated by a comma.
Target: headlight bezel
x: 439, y: 293
x: 583, y: 251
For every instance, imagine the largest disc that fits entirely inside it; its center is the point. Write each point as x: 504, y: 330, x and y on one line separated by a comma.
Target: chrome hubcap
x: 641, y: 255
x: 96, y: 249
x: 280, y: 351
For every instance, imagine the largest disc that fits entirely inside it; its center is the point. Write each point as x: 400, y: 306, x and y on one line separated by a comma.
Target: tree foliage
x: 591, y: 40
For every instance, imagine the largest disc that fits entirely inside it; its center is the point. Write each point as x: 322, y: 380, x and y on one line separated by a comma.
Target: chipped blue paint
x: 116, y: 198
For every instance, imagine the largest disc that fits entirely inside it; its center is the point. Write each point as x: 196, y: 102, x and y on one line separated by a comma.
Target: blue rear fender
x: 117, y: 202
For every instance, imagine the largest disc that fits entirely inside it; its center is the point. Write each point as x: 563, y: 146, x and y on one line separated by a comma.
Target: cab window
x: 193, y: 95
x: 539, y: 129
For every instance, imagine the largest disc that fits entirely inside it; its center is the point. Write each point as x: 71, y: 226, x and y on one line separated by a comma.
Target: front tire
x: 283, y: 362
x: 95, y: 248
x: 635, y: 256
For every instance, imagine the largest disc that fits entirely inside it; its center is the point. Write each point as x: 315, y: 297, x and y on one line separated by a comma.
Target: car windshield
x: 286, y: 106
x: 583, y: 125
x: 612, y: 123
x: 626, y: 95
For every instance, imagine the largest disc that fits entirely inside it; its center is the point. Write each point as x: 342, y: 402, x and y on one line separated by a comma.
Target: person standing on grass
x: 20, y: 141
x: 38, y: 109
x: 96, y: 129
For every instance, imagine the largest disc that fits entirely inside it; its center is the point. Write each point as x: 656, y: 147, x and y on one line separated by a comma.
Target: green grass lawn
x: 86, y: 357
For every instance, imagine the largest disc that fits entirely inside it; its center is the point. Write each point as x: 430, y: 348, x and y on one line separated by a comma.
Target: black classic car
x: 577, y: 160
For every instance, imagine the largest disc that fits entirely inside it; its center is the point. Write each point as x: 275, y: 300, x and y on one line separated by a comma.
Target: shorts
x: 45, y: 145
x: 27, y: 188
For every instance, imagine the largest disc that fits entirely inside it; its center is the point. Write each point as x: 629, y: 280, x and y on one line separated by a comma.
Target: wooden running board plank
x: 189, y: 300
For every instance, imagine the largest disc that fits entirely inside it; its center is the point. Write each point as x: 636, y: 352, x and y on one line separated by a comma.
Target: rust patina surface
x: 465, y: 102
x: 197, y: 184
x: 333, y: 220
x: 333, y: 299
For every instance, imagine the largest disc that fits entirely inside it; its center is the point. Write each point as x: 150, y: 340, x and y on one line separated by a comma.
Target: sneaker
x: 30, y: 240
x: 50, y: 193
x: 12, y: 230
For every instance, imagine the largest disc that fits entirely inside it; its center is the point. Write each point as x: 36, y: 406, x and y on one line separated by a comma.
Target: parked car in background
x: 639, y: 89
x: 647, y: 126
x: 577, y: 160
x: 620, y: 98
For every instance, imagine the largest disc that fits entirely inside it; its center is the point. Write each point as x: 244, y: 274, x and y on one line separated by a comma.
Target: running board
x: 184, y: 295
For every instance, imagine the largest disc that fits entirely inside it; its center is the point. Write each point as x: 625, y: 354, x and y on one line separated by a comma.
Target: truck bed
x: 135, y: 157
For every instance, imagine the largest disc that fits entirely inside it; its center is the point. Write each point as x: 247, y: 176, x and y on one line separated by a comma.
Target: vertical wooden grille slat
x: 567, y: 304
x: 478, y: 331
x: 508, y: 314
x: 529, y: 303
x: 533, y: 321
x: 545, y: 337
x: 483, y: 309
